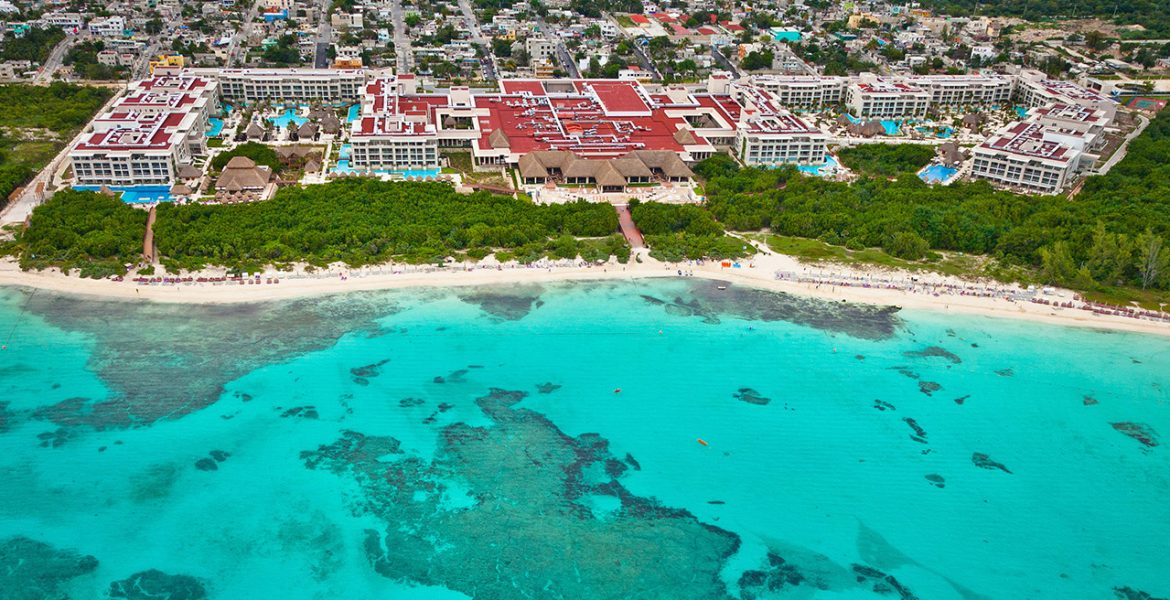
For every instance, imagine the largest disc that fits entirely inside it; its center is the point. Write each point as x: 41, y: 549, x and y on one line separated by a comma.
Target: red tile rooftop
x: 1027, y: 139
x: 639, y: 19
x: 148, y: 133
x: 517, y: 86
x: 617, y: 97
x: 578, y: 124
x: 388, y: 125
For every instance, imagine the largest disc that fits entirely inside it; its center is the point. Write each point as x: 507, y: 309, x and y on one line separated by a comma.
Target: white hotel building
x: 803, y: 91
x: 288, y: 85
x: 766, y: 134
x: 1036, y: 89
x: 149, y: 133
x: 1043, y: 153
x: 876, y: 97
x: 953, y: 91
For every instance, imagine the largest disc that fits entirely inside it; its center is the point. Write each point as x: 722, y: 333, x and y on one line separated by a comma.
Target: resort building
x: 803, y: 91
x: 616, y: 131
x: 1034, y: 88
x: 955, y: 91
x: 1045, y: 152
x: 872, y: 96
x: 148, y: 135
x: 126, y: 148
x: 288, y: 85
x: 767, y: 135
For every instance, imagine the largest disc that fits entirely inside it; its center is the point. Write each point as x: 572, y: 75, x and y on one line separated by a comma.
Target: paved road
x: 55, y: 59
x: 563, y: 55
x: 141, y: 66
x: 242, y: 34
x: 402, y: 49
x: 1123, y: 148
x: 324, y: 37
x: 489, y: 61
x: 723, y: 60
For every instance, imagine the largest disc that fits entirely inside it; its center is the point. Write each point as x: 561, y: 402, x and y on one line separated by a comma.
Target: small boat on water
x: 721, y: 287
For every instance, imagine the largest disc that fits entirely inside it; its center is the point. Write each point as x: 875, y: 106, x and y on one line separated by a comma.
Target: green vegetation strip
x: 362, y: 222
x: 36, y: 122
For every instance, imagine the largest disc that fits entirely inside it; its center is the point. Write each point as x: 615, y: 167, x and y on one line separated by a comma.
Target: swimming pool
x: 344, y: 168
x: 355, y: 111
x: 216, y: 127
x: 822, y: 170
x: 944, y: 133
x: 852, y: 119
x: 937, y: 174
x: 891, y: 127
x: 343, y: 152
x: 135, y: 194
x: 288, y: 116
x: 1022, y: 112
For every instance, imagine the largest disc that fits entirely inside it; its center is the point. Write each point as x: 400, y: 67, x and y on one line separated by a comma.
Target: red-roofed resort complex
x: 604, y: 133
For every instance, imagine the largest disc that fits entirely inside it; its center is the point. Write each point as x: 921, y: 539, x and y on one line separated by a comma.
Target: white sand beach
x: 908, y: 290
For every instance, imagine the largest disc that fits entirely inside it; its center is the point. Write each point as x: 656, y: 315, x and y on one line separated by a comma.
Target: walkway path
x: 148, y: 239
x: 629, y: 229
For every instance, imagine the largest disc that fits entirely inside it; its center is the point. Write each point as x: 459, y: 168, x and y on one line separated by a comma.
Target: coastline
x: 758, y: 272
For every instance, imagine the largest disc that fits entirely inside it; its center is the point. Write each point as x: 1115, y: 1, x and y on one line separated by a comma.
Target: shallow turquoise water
x: 354, y: 447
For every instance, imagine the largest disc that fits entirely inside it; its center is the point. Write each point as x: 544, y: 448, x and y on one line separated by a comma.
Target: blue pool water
x: 852, y: 119
x: 448, y: 443
x: 943, y: 133
x: 343, y: 151
x: 892, y: 127
x: 216, y: 127
x: 288, y: 116
x: 936, y: 174
x: 355, y: 111
x: 344, y: 167
x: 822, y: 170
x: 135, y: 194
x: 1022, y: 112
x: 227, y: 108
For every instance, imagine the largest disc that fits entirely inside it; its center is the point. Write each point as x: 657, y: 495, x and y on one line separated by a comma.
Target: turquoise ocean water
x: 544, y: 442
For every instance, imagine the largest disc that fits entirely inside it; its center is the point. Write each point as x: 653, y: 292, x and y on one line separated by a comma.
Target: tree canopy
x: 261, y: 154
x: 89, y: 231
x: 362, y: 221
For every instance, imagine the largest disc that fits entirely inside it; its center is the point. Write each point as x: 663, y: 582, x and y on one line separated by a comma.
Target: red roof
x: 639, y: 19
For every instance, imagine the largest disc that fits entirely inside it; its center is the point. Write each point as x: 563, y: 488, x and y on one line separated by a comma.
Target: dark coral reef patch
x: 526, y: 484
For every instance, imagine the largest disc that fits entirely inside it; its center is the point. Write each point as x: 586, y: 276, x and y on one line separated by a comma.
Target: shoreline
x: 759, y: 272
